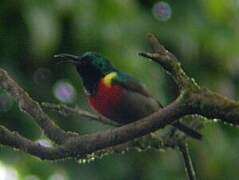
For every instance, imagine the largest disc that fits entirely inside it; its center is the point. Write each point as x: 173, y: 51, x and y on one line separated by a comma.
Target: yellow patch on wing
x: 108, y: 78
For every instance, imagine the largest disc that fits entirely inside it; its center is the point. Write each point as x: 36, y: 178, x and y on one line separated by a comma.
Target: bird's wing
x: 131, y: 84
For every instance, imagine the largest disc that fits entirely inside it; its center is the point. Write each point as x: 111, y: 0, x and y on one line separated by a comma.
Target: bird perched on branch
x: 115, y: 94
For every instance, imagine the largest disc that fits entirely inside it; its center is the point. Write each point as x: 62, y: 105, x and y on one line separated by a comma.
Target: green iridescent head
x: 89, y: 62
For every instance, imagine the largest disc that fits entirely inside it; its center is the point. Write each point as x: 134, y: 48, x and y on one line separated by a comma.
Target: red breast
x: 106, y: 98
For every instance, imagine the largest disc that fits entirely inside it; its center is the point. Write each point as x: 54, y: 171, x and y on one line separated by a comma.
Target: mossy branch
x: 193, y: 99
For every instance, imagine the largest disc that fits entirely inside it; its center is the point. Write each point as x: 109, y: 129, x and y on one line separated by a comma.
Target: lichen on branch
x: 192, y: 100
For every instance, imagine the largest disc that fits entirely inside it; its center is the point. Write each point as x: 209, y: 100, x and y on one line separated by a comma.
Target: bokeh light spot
x: 162, y: 11
x: 31, y: 177
x: 64, y: 91
x: 8, y: 173
x: 61, y: 175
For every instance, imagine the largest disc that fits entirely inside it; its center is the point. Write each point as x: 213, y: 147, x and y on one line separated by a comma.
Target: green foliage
x: 203, y: 34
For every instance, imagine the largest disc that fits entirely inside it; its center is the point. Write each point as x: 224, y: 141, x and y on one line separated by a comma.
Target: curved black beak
x: 67, y: 58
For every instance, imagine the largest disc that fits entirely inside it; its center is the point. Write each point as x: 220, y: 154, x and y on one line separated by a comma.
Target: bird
x: 115, y: 94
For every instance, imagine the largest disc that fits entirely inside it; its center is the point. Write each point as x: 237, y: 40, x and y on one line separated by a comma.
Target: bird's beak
x: 67, y: 58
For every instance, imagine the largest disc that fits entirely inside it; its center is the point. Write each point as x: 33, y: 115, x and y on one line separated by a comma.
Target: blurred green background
x: 203, y: 34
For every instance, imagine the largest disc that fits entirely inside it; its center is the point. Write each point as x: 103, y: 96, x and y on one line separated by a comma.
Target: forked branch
x: 192, y: 100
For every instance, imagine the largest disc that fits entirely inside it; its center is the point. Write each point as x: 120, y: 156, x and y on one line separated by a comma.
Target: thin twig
x: 189, y: 169
x: 169, y: 62
x: 66, y: 110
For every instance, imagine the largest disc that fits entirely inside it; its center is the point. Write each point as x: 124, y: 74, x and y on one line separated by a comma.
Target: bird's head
x: 88, y: 64
x: 91, y: 66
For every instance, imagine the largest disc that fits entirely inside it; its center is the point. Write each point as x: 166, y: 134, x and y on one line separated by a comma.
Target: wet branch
x: 192, y: 100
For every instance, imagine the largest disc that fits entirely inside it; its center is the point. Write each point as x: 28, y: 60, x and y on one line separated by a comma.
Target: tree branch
x: 192, y: 100
x: 183, y: 147
x: 28, y: 105
x: 169, y: 62
x: 66, y: 110
x: 212, y: 105
x: 199, y: 100
x: 86, y: 144
x: 14, y: 140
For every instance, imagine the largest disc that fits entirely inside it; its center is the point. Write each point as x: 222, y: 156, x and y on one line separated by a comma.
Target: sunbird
x: 115, y: 94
